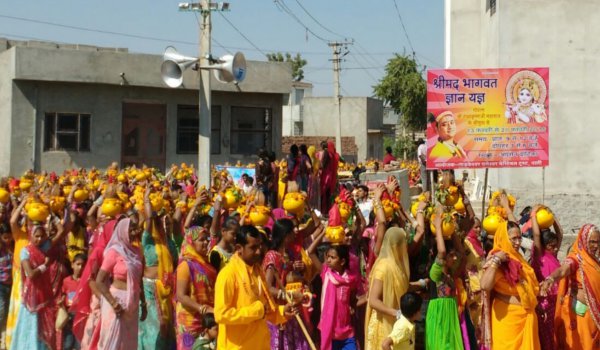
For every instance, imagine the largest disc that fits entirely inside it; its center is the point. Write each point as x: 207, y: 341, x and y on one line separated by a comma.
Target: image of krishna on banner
x: 487, y: 118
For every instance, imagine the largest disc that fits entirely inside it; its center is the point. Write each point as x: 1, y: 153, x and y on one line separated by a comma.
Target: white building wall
x: 562, y: 35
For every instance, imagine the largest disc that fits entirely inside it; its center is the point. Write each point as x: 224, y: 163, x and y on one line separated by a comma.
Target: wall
x: 559, y: 34
x: 104, y: 102
x: 320, y: 118
x: 6, y: 91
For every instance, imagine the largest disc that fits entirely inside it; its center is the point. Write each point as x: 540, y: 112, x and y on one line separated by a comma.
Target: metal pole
x: 543, y: 185
x: 336, y: 92
x: 204, y: 102
x: 485, y: 182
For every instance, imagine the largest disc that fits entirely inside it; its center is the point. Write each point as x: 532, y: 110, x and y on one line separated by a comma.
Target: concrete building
x: 362, y: 118
x: 560, y: 34
x: 65, y: 106
x: 292, y: 116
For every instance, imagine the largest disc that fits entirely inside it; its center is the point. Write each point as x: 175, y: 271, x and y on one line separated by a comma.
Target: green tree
x: 405, y: 90
x: 297, y: 63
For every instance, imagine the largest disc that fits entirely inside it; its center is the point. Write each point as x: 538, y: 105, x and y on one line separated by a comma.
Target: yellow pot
x: 545, y: 218
x: 345, y: 211
x: 81, y: 195
x: 57, y: 204
x: 112, y: 207
x: 38, y: 212
x: 491, y: 222
x: 448, y: 226
x: 4, y: 195
x: 231, y: 199
x: 335, y: 234
x: 259, y: 218
x: 25, y: 184
x: 294, y: 203
x: 459, y: 206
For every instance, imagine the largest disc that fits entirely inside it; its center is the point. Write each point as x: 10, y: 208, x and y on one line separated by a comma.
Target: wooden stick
x: 485, y: 182
x: 299, y: 319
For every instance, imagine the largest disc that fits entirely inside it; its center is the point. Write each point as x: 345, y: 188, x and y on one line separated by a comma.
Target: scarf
x: 165, y: 283
x: 517, y: 273
x: 83, y: 295
x: 331, y: 282
x: 475, y: 243
x: 588, y: 273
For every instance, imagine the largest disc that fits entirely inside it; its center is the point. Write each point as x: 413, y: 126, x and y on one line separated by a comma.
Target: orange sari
x: 513, y: 327
x: 573, y: 331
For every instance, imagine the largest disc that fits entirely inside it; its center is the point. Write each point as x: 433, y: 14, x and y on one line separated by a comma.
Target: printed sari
x: 577, y: 330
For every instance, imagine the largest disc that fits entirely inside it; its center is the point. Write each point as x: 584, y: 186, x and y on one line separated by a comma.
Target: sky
x: 378, y: 28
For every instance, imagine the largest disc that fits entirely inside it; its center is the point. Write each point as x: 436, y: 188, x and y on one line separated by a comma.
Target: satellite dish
x: 173, y: 66
x: 231, y: 68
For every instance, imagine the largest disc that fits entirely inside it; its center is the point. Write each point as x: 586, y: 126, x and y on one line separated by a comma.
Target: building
x: 560, y: 34
x: 361, y: 117
x: 64, y: 106
x: 292, y: 119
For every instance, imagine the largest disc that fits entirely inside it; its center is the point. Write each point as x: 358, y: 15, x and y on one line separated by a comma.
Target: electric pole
x: 204, y: 102
x: 337, y: 48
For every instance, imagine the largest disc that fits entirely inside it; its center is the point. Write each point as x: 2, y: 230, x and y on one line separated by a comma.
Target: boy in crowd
x: 403, y: 333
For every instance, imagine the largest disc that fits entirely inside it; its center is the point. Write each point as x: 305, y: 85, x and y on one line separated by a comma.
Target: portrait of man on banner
x: 446, y: 146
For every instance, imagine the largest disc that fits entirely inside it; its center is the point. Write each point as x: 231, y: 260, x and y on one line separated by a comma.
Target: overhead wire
x: 404, y: 28
x: 286, y: 9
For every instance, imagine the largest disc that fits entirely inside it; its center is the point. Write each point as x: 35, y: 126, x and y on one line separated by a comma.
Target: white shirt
x: 422, y: 151
x: 365, y: 208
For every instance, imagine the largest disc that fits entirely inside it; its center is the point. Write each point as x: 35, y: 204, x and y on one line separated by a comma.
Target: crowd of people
x: 130, y: 258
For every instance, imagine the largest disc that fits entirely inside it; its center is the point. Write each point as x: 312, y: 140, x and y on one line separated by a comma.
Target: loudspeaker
x: 231, y: 68
x: 173, y: 66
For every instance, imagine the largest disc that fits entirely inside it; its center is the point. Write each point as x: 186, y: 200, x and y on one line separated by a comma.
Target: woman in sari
x: 86, y: 303
x: 514, y: 324
x: 160, y: 254
x: 120, y: 303
x: 387, y: 283
x: 544, y: 262
x: 577, y: 321
x: 21, y: 240
x: 329, y: 166
x: 279, y: 269
x: 42, y: 275
x: 196, y: 279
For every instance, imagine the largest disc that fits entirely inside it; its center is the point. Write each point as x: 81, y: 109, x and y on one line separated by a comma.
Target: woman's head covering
x: 187, y: 250
x: 394, y: 247
x: 517, y: 271
x: 122, y: 245
x: 587, y: 272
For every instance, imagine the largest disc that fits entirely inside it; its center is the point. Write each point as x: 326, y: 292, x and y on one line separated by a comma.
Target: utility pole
x: 204, y: 102
x: 337, y: 48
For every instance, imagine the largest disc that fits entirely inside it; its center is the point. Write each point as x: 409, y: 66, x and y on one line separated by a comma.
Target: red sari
x: 41, y: 292
x: 329, y: 176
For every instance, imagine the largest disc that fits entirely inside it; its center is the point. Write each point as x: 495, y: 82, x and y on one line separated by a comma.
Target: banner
x: 237, y: 172
x: 487, y: 118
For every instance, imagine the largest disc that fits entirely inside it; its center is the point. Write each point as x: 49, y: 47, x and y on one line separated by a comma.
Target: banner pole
x: 543, y: 185
x: 485, y: 183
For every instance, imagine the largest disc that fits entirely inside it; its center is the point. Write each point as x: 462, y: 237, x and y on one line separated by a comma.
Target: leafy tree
x: 297, y: 63
x: 405, y: 90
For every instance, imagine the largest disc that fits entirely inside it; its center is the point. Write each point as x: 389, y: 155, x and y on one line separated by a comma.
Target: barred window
x: 67, y: 132
x: 188, y: 129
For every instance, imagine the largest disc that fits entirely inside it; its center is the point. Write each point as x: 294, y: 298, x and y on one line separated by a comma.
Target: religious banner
x: 487, y: 118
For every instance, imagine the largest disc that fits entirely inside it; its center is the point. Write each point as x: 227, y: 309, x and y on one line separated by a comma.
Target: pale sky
x: 268, y: 25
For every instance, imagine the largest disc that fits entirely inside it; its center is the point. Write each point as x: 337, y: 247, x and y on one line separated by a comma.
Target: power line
x: 403, y: 27
x: 280, y: 4
x: 316, y: 21
x: 242, y: 34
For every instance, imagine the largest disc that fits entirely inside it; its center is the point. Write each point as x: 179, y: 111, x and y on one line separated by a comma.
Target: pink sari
x: 120, y: 333
x: 329, y: 177
x: 336, y: 319
x: 543, y: 266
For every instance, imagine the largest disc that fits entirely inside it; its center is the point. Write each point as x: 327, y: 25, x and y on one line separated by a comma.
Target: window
x: 67, y: 132
x: 188, y: 129
x: 250, y: 129
x: 298, y: 128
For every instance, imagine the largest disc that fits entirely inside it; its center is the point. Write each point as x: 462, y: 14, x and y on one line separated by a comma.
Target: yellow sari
x: 392, y: 269
x: 514, y: 327
x: 21, y: 240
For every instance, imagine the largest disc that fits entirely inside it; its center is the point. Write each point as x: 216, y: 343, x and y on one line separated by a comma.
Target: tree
x: 297, y: 63
x: 405, y: 90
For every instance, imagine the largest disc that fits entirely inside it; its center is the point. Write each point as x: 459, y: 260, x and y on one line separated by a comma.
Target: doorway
x: 144, y: 135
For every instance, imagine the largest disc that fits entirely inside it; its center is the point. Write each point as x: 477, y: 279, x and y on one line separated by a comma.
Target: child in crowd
x: 6, y: 258
x: 69, y: 287
x: 208, y: 339
x: 403, y: 334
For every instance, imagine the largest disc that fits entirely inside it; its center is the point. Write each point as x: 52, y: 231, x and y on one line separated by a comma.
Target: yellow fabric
x: 75, y: 243
x: 403, y: 334
x: 165, y: 271
x: 240, y: 297
x: 527, y: 289
x: 310, y: 271
x: 513, y: 327
x: 281, y: 185
x: 312, y: 153
x: 21, y: 240
x: 392, y: 269
x: 441, y: 151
